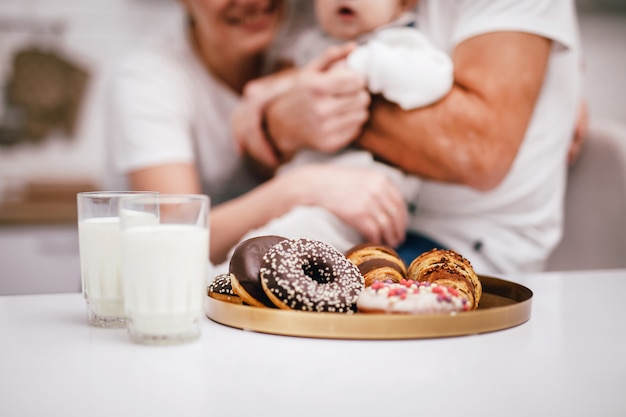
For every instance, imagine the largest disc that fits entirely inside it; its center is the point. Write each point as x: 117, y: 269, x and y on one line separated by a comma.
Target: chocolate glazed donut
x: 244, y: 269
x: 222, y: 289
x: 308, y: 275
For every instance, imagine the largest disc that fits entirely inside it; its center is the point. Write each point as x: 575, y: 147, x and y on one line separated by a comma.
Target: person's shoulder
x: 160, y: 57
x: 461, y: 19
x: 520, y: 8
x: 158, y: 75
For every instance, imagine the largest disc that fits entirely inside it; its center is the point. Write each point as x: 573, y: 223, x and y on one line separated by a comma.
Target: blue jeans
x: 414, y: 245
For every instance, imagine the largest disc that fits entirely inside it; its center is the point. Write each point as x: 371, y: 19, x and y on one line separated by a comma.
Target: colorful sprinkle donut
x: 308, y: 275
x: 410, y: 297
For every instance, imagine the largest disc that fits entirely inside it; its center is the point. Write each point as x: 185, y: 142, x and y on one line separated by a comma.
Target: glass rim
x: 170, y: 198
x: 104, y: 194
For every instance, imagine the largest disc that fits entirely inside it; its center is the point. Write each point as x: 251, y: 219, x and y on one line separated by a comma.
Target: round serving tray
x: 503, y: 305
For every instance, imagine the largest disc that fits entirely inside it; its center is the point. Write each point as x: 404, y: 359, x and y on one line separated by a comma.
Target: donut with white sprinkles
x: 221, y: 289
x: 308, y: 275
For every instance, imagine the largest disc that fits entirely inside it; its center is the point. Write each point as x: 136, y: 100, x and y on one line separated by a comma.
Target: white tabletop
x: 569, y: 359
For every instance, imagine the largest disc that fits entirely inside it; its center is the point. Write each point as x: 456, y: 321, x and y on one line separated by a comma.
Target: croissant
x: 377, y: 263
x: 448, y: 268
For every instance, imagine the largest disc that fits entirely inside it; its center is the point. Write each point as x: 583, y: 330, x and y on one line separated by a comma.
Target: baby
x: 397, y: 61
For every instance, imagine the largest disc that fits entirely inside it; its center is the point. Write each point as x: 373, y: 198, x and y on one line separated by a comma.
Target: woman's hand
x: 248, y: 132
x: 246, y: 120
x: 363, y: 198
x: 324, y: 109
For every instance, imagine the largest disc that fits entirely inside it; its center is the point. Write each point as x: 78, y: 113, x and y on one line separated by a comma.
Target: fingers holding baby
x: 323, y: 106
x: 324, y: 109
x: 364, y: 198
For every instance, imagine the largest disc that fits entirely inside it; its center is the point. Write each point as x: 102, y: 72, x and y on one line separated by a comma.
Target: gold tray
x: 503, y: 305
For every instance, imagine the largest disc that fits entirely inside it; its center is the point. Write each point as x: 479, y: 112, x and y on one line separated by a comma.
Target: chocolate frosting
x: 246, y: 263
x: 309, y: 275
x: 377, y: 263
x: 221, y: 285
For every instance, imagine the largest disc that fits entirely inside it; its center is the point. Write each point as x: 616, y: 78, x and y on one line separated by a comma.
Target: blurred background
x: 55, y: 59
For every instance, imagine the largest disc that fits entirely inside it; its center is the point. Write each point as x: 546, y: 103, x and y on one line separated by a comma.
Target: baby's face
x: 349, y: 19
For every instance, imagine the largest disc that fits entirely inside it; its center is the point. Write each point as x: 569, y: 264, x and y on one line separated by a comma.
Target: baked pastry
x: 377, y: 262
x: 308, y: 275
x: 450, y: 269
x: 221, y: 289
x: 244, y: 269
x: 410, y: 297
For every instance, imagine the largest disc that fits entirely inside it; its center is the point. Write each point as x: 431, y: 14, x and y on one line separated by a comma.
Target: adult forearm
x: 473, y: 134
x: 231, y: 220
x: 458, y: 140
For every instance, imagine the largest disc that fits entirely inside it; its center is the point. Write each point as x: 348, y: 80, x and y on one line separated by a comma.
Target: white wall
x: 603, y: 35
x: 96, y: 34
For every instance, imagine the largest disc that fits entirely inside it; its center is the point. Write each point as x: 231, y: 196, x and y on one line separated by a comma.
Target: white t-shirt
x: 515, y: 226
x: 166, y: 107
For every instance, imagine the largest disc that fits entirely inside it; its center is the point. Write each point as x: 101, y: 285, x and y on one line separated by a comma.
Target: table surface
x: 569, y: 359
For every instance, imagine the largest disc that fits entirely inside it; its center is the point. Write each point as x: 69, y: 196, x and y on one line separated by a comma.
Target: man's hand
x: 324, y: 109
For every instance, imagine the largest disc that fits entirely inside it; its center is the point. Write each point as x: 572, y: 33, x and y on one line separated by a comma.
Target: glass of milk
x: 164, y: 264
x: 99, y: 246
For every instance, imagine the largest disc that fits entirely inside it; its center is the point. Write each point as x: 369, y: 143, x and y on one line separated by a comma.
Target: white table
x: 568, y: 360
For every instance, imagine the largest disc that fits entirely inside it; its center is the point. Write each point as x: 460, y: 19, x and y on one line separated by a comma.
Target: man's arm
x: 473, y: 134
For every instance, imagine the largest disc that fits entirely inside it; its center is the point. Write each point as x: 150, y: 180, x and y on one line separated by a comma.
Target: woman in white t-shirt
x: 170, y: 129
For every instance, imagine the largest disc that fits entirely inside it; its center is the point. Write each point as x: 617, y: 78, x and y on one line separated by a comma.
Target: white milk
x: 164, y: 269
x: 99, y: 245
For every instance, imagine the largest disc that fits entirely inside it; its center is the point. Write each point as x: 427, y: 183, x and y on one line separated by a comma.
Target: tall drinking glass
x: 164, y: 266
x: 99, y: 246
